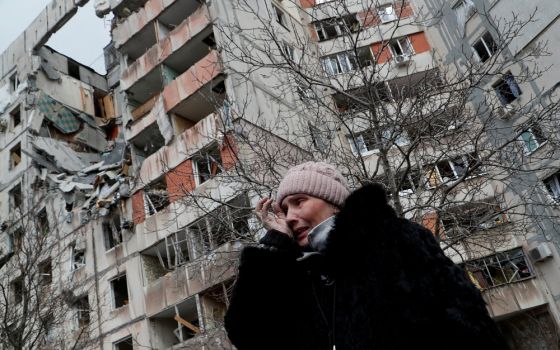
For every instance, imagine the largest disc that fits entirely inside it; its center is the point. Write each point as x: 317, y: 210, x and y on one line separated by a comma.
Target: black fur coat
x: 383, y: 283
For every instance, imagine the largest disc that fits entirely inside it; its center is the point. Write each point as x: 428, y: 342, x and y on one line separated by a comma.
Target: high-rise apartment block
x: 126, y: 197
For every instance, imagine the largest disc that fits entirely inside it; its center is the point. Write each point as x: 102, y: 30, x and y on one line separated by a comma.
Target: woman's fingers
x: 278, y: 211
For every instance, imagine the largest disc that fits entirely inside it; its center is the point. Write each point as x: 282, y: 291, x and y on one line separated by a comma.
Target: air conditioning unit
x: 540, y: 252
x: 388, y: 17
x: 402, y: 60
x: 506, y: 111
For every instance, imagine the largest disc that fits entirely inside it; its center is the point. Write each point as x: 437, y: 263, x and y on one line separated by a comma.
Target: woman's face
x: 303, y: 212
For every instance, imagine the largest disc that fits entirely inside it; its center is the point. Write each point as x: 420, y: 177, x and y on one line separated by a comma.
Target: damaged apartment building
x: 135, y: 174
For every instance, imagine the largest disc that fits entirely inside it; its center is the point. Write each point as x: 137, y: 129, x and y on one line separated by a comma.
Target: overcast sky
x: 82, y: 38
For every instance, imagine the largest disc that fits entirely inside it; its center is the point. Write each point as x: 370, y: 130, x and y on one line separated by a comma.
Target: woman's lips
x: 301, y: 233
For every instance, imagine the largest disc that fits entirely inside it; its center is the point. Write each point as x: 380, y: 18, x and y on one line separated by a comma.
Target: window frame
x: 499, y: 262
x: 126, y: 301
x: 407, y: 51
x: 206, y: 154
x: 434, y: 169
x: 507, y: 81
x: 536, y: 138
x: 280, y: 17
x: 552, y: 185
x: 490, y: 48
x: 382, y: 11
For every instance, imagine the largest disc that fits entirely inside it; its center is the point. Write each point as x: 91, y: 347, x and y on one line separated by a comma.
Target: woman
x: 342, y: 271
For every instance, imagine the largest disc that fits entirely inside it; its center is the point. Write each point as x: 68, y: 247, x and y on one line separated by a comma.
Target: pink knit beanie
x: 316, y: 179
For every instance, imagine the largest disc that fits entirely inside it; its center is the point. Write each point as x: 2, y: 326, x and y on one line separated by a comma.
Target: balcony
x: 196, y: 93
x: 177, y: 52
x: 511, y: 298
x: 143, y: 29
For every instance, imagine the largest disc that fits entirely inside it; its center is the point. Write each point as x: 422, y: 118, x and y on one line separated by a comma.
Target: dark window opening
x: 16, y: 197
x: 15, y: 115
x: 210, y: 41
x: 334, y: 27
x: 14, y: 82
x: 219, y: 88
x: 17, y: 290
x: 15, y: 156
x: 208, y: 164
x: 507, y: 89
x: 43, y: 221
x: 45, y: 272
x: 17, y: 239
x: 120, y: 291
x: 280, y: 16
x: 124, y: 344
x: 112, y: 232
x: 83, y: 311
x: 78, y: 258
x: 73, y: 69
x: 485, y: 47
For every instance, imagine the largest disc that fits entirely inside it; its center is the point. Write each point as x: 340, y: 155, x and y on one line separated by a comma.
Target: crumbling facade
x: 145, y: 178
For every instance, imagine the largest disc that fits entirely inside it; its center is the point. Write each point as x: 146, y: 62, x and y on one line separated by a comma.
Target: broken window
x: 15, y: 156
x: 552, y: 184
x: 364, y: 142
x: 401, y: 47
x: 280, y: 16
x: 463, y: 220
x: 17, y: 290
x: 14, y: 82
x: 224, y: 224
x: 485, y: 47
x: 208, y: 164
x: 318, y: 138
x: 15, y: 116
x: 17, y: 239
x: 82, y: 311
x: 45, y: 272
x: 119, y: 289
x: 112, y: 232
x: 167, y: 255
x: 342, y: 62
x: 210, y: 41
x: 387, y: 13
x: 334, y: 27
x: 501, y: 268
x: 507, y: 89
x: 43, y: 221
x: 15, y: 196
x: 532, y: 138
x: 288, y: 51
x: 157, y: 196
x: 124, y: 344
x: 73, y: 69
x: 408, y: 183
x: 78, y: 258
x: 452, y: 169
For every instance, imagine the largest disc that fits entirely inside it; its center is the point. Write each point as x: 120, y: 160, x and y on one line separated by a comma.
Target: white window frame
x: 387, y: 16
x: 289, y: 51
x: 552, y: 185
x: 404, y: 44
x: 363, y: 149
x: 486, y: 45
x: 342, y: 62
